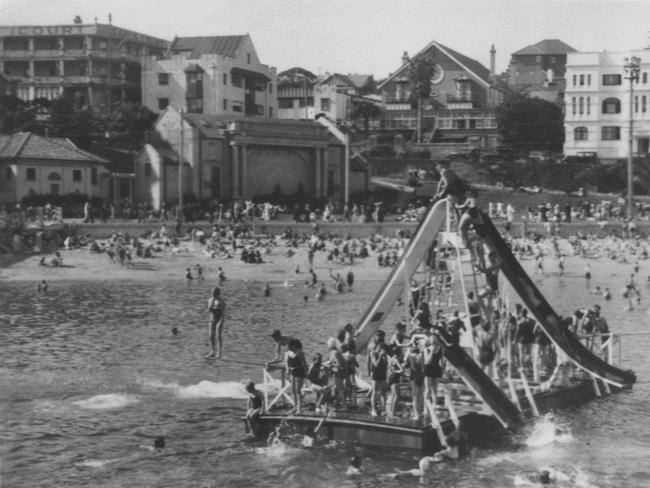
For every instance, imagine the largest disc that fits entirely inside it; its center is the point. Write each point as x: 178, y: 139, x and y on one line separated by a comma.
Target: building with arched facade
x: 34, y: 165
x: 238, y: 158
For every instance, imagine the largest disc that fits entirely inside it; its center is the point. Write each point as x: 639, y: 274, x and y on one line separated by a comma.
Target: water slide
x: 387, y: 296
x: 548, y: 319
x: 414, y: 253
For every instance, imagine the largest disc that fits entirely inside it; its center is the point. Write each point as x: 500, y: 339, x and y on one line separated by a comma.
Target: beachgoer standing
x: 217, y: 309
x: 296, y: 366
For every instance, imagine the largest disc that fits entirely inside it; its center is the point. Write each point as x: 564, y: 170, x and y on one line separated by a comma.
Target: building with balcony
x: 464, y: 94
x: 597, y: 104
x: 93, y: 63
x: 302, y: 95
x: 31, y: 164
x: 228, y: 157
x: 539, y: 69
x: 216, y: 75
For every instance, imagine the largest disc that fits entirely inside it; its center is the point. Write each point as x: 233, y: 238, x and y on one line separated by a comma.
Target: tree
x: 421, y: 71
x: 530, y: 123
x: 15, y: 115
x: 366, y: 110
x: 65, y: 120
x: 129, y: 123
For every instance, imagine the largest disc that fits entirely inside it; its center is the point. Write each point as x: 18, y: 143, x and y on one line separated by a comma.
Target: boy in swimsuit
x: 254, y: 406
x: 217, y: 309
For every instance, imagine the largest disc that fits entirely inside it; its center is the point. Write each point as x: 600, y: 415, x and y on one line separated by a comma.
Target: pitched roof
x: 222, y: 45
x: 546, y: 46
x: 27, y: 145
x: 359, y: 80
x: 471, y: 66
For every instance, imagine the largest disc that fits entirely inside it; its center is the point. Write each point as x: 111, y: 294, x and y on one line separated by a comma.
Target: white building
x: 216, y: 75
x: 597, y: 104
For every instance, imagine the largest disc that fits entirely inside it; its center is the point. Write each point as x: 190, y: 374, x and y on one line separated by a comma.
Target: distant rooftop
x: 27, y: 145
x: 196, y: 46
x: 547, y: 46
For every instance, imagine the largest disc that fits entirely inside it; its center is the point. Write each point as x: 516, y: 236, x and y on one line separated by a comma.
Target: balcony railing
x: 453, y: 98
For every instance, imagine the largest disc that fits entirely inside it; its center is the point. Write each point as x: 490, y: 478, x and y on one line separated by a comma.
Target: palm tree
x: 421, y: 71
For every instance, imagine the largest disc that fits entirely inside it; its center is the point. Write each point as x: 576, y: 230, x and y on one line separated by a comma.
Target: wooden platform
x: 359, y: 427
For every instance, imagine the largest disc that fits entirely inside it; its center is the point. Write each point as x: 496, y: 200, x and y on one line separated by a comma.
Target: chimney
x: 405, y: 57
x: 493, y: 53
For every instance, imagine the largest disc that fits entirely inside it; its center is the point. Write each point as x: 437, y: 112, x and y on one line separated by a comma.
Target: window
x: 645, y: 77
x: 588, y: 105
x: 588, y: 80
x: 194, y: 105
x: 76, y: 175
x: 271, y: 88
x: 31, y: 174
x: 163, y: 103
x: 611, y: 79
x: 538, y: 59
x: 259, y: 109
x: 237, y: 106
x: 325, y: 104
x: 582, y: 80
x: 310, y: 102
x: 237, y: 81
x: 163, y: 78
x: 194, y: 87
x: 611, y: 106
x: 552, y: 59
x: 581, y: 105
x: 248, y: 58
x: 285, y: 102
x: 93, y: 176
x: 271, y: 112
x: 636, y: 103
x: 225, y: 78
x: 644, y: 106
x: 472, y: 123
x: 581, y: 133
x: 459, y: 124
x: 225, y: 104
x: 611, y: 133
x: 575, y: 78
x: 147, y: 169
x: 573, y: 104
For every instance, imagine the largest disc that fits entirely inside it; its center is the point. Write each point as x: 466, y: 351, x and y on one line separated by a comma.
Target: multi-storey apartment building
x: 216, y: 75
x: 597, y: 109
x: 94, y: 63
x: 539, y: 69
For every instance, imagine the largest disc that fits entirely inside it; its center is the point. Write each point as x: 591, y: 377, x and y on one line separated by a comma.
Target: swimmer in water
x: 322, y: 291
x: 587, y: 272
x: 42, y: 286
x: 222, y: 276
x: 354, y: 469
x: 607, y: 295
x: 217, y: 309
x: 188, y: 275
x: 199, y: 272
x: 267, y: 290
x: 449, y: 453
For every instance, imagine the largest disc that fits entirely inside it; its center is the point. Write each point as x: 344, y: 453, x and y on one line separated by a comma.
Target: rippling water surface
x: 90, y: 373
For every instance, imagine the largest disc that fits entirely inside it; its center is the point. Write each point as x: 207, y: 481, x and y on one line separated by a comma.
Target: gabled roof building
x: 461, y: 106
x: 32, y: 164
x: 213, y: 75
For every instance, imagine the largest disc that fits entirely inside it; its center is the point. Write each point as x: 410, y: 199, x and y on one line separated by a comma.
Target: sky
x: 363, y: 36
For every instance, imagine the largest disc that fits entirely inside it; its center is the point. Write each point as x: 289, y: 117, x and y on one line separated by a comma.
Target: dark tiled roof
x: 120, y: 160
x: 547, y: 46
x: 26, y: 145
x: 222, y: 45
x: 469, y: 63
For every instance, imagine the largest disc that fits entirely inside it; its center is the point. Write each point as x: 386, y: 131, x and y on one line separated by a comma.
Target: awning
x: 193, y: 68
x: 246, y: 73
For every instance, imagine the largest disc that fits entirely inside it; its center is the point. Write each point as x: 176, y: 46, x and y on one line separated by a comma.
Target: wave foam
x: 107, y: 401
x: 546, y: 432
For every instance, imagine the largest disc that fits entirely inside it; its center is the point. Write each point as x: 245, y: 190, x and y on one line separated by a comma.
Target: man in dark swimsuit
x: 254, y: 407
